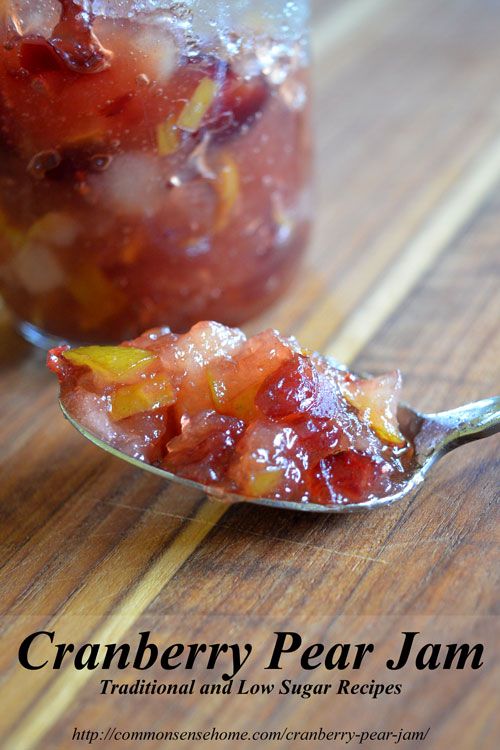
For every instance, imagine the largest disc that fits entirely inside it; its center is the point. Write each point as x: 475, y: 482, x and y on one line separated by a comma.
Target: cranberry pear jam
x: 257, y: 417
x: 154, y: 165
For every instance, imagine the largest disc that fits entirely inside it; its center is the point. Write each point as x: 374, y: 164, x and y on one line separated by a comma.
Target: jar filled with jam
x: 154, y: 162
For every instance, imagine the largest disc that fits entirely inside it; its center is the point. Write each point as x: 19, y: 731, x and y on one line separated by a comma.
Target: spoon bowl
x: 433, y: 435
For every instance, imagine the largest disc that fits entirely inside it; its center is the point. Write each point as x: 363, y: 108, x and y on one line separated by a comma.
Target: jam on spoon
x: 256, y: 417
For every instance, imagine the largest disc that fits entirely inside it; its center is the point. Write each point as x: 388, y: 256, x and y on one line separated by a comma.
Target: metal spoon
x: 433, y: 435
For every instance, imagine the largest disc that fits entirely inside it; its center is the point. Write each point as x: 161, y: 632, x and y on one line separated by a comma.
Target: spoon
x: 433, y: 435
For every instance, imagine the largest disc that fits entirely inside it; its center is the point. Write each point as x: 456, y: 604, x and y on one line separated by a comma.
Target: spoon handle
x: 469, y: 422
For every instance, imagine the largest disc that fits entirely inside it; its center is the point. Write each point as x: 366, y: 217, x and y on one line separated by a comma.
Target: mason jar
x: 154, y: 162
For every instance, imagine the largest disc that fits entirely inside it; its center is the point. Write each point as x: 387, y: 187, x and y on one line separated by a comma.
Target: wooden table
x: 403, y: 271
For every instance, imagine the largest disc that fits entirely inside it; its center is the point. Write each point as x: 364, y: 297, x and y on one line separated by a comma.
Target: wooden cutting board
x: 402, y: 272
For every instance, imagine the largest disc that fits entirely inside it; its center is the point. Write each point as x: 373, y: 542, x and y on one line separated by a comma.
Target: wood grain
x: 402, y: 271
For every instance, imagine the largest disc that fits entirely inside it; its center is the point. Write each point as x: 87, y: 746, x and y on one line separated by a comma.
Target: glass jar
x: 154, y: 162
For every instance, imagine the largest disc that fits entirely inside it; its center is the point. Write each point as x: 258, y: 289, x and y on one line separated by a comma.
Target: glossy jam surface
x: 256, y: 417
x: 147, y: 176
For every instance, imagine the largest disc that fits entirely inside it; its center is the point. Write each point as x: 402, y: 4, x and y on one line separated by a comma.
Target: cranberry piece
x: 320, y: 437
x: 76, y: 43
x: 37, y: 55
x: 345, y: 476
x: 239, y: 101
x: 289, y: 390
x: 204, y: 448
x: 72, y: 46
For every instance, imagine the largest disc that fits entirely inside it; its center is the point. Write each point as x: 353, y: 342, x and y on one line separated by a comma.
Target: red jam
x: 256, y: 417
x: 144, y: 179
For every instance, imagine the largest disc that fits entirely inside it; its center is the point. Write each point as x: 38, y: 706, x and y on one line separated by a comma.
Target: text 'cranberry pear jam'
x: 154, y: 162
